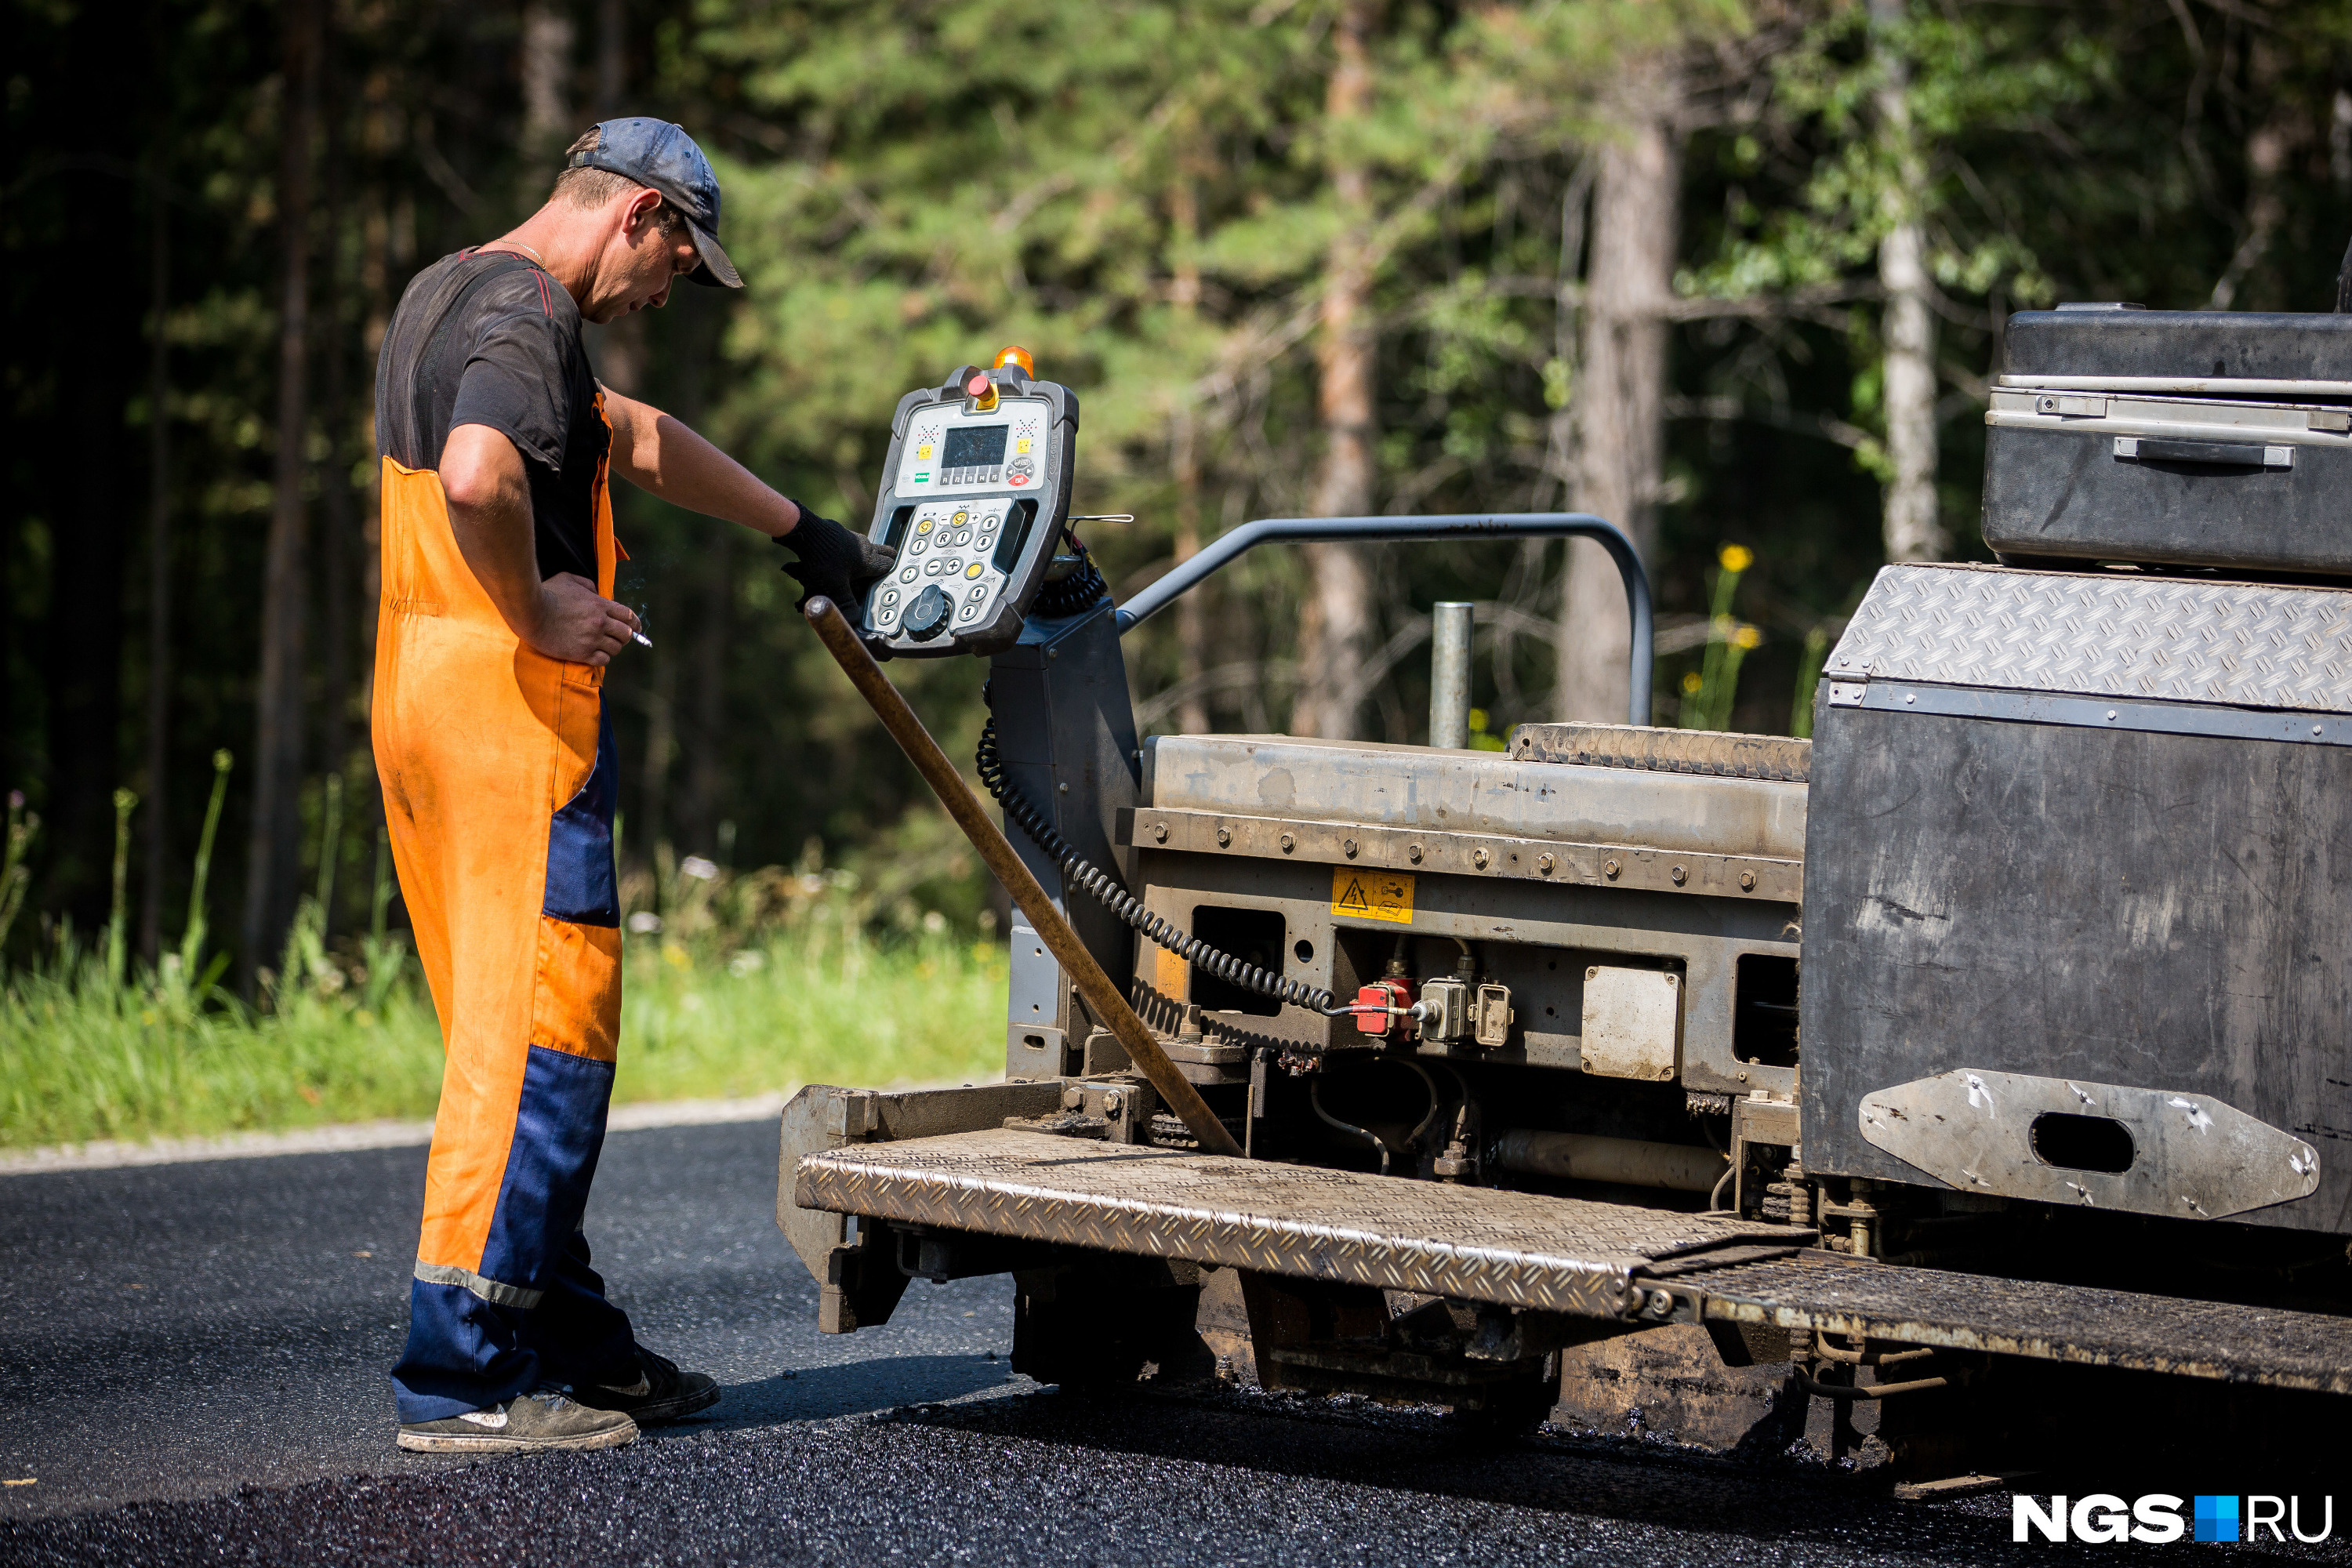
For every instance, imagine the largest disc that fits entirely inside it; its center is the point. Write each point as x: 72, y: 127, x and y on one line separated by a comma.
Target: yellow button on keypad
x: 974, y: 570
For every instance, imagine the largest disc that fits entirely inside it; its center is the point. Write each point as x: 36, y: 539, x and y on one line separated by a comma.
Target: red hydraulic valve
x: 1380, y: 1006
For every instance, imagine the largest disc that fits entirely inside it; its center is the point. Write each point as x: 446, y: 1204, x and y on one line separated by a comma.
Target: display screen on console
x: 974, y: 446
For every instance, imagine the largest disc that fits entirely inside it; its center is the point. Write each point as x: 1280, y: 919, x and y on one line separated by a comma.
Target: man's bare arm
x: 658, y: 453
x: 490, y: 511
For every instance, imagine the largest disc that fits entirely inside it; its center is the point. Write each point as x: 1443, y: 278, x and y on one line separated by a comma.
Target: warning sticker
x: 1372, y: 895
x: 1171, y: 976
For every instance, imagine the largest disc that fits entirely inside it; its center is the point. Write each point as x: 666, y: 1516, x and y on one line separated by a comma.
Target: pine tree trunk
x: 75, y: 762
x: 1335, y: 632
x: 1912, y: 528
x: 155, y: 834
x: 707, y: 750
x: 1619, y: 401
x: 2253, y: 280
x: 694, y: 344
x: 375, y: 229
x: 612, y: 58
x: 660, y: 700
x: 547, y: 40
x: 338, y: 526
x: 1914, y: 531
x: 1192, y: 610
x: 273, y: 853
x: 1184, y: 458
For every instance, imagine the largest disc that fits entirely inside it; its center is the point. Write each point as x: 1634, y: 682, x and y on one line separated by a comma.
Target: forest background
x: 1730, y: 272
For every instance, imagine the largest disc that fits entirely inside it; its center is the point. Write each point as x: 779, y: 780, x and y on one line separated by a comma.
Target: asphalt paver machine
x: 1858, y: 1092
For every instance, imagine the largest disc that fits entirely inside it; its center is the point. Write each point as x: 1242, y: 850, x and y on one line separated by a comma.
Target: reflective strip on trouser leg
x: 488, y: 1290
x: 498, y: 774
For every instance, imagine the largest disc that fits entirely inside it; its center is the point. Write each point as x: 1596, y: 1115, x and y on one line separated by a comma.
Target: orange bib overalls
x: 498, y: 784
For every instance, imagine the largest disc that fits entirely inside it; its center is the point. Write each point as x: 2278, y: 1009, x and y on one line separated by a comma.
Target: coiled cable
x: 1082, y: 589
x: 1112, y: 894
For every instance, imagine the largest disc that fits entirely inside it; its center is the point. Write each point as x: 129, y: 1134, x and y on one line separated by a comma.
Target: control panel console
x: 975, y: 495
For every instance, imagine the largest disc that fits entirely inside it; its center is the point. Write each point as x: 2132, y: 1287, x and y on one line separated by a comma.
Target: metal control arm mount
x: 1103, y: 998
x: 972, y: 501
x: 1222, y: 551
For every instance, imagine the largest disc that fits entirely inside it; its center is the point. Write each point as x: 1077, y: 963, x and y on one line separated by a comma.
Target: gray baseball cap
x: 657, y: 153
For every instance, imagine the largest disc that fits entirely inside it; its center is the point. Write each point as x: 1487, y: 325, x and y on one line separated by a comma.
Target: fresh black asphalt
x: 192, y: 1363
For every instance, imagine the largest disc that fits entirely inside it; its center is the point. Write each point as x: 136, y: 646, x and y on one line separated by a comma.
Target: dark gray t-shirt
x: 492, y: 339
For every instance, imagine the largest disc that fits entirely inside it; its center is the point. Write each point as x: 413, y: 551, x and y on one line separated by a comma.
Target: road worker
x: 498, y: 626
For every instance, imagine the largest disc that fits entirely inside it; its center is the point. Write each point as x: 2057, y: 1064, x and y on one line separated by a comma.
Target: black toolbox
x: 2195, y: 438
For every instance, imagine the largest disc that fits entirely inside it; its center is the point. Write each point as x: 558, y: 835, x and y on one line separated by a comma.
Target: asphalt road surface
x: 192, y: 1370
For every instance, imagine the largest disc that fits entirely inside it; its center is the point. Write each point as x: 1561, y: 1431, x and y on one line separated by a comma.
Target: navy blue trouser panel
x: 464, y: 1352
x: 579, y: 1336
x: 581, y: 887
x: 559, y: 1133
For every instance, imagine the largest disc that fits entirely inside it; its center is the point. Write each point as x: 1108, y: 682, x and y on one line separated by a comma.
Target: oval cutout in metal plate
x: 2193, y: 1156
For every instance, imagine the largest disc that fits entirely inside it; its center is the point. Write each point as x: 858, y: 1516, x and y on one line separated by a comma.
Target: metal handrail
x: 1227, y: 547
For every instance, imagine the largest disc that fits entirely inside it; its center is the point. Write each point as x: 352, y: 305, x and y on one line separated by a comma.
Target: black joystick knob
x: 926, y: 617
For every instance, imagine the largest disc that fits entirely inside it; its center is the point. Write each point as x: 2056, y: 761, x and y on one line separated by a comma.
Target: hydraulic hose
x: 1077, y: 871
x: 1412, y: 1139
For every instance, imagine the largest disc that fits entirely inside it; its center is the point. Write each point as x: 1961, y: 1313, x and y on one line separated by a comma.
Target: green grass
x: 83, y: 1057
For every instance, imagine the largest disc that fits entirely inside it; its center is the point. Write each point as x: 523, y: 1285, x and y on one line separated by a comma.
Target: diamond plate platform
x: 2048, y: 1322
x: 1476, y: 1244
x: 2108, y: 634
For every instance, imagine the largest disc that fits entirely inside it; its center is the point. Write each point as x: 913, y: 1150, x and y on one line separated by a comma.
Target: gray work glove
x: 834, y: 562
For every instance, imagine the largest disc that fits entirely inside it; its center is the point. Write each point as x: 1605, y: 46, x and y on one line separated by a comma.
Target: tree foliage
x: 1138, y: 192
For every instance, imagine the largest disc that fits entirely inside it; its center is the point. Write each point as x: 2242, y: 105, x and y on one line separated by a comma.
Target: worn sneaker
x: 661, y: 1393
x: 535, y: 1423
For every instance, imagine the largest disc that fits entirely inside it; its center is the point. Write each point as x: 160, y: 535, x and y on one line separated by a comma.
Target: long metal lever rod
x: 1457, y: 526
x: 1103, y: 998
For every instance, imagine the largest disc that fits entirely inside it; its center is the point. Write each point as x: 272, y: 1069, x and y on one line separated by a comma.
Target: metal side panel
x: 1066, y: 735
x: 2076, y: 1324
x: 2148, y: 911
x: 1558, y: 1255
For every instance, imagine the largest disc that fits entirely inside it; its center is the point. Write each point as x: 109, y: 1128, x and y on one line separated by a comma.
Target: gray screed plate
x: 1561, y: 1254
x: 1476, y: 1244
x: 2048, y: 1322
